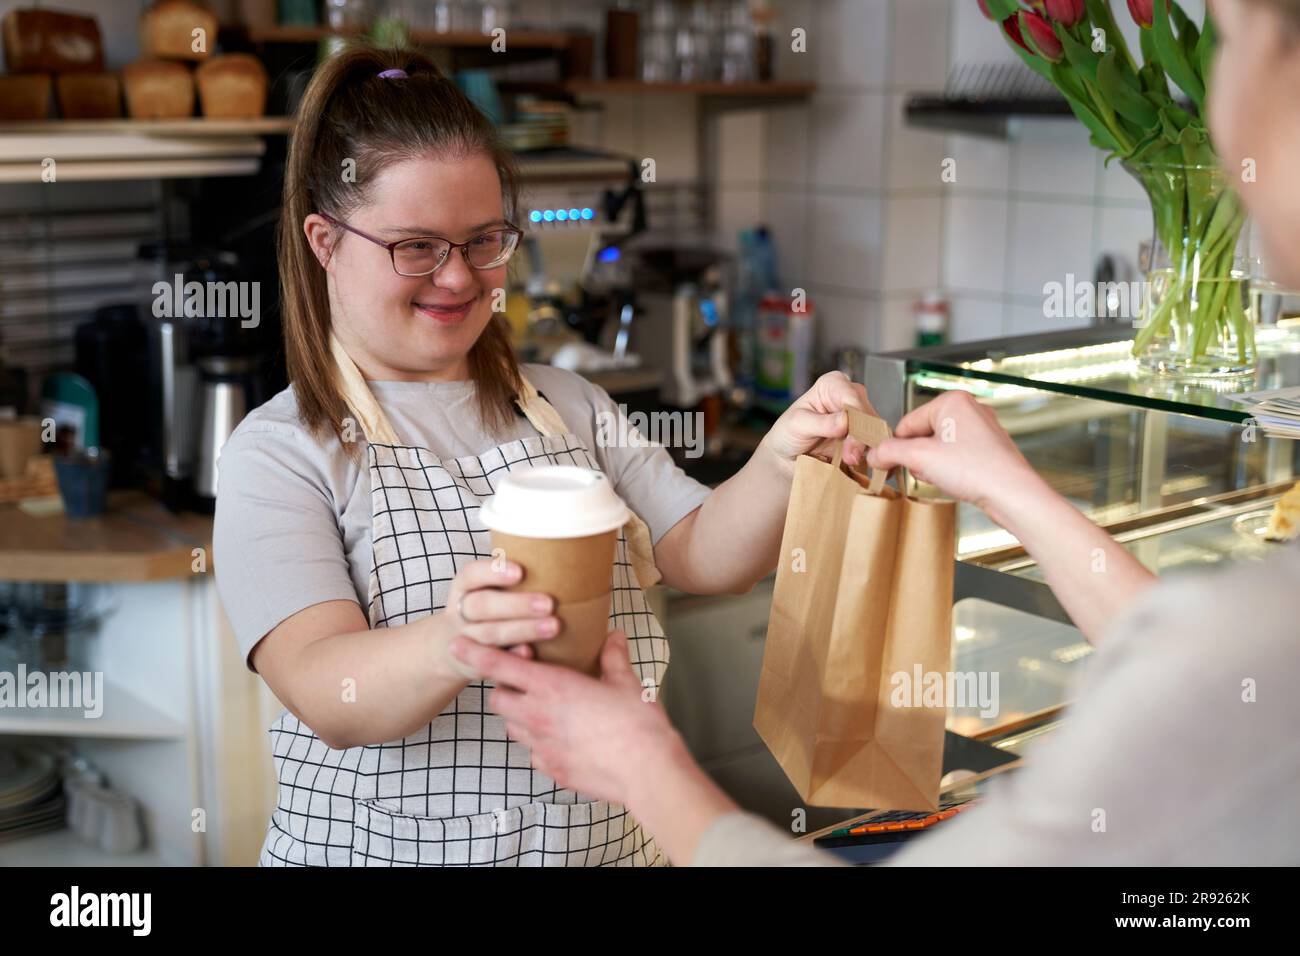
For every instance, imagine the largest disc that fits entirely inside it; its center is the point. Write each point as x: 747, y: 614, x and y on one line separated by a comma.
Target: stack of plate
x: 31, y: 798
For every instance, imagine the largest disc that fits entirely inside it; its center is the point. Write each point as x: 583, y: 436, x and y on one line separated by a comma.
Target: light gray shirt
x: 1181, y: 748
x: 293, y: 518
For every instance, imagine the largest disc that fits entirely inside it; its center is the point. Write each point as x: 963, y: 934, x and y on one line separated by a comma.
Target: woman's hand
x: 478, y: 609
x: 958, y: 445
x: 588, y: 734
x: 816, y: 422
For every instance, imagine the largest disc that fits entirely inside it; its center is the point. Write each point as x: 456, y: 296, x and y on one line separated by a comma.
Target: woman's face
x: 413, y: 329
x: 1254, y: 118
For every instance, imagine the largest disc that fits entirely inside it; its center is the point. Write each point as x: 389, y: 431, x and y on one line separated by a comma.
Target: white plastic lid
x: 554, y: 501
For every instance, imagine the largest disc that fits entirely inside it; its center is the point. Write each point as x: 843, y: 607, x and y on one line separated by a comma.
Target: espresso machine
x: 575, y: 267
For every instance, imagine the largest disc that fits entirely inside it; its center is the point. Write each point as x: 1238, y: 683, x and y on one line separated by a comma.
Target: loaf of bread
x: 167, y: 30
x: 232, y: 87
x: 25, y: 97
x: 158, y: 89
x: 45, y: 41
x: 89, y: 95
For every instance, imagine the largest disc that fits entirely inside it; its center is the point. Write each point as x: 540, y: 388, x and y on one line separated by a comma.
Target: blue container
x: 83, y: 483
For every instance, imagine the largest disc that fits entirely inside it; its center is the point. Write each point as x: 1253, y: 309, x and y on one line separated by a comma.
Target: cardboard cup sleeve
x: 576, y: 572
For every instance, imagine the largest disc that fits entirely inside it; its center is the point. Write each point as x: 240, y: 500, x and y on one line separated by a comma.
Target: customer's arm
x: 958, y: 445
x: 1179, y: 749
x: 611, y: 739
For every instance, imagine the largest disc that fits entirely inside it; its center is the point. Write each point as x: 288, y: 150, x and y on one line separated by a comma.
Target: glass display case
x: 1169, y: 466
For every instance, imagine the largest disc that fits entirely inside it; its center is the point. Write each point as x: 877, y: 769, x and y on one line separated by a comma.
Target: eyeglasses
x: 424, y: 255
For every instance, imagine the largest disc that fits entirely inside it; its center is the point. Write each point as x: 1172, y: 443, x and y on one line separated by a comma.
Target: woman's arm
x: 731, y: 542
x: 354, y: 686
x: 958, y: 445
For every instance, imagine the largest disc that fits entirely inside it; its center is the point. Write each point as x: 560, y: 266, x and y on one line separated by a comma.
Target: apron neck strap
x: 374, y: 423
x: 376, y: 426
x: 540, y: 413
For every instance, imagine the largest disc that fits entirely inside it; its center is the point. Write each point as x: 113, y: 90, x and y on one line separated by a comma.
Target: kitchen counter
x: 137, y: 539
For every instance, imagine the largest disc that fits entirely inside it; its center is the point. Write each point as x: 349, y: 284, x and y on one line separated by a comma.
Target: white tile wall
x: 741, y: 149
x: 787, y: 146
x: 846, y: 242
x: 975, y: 244
x: 1047, y: 239
x: 915, y: 156
x: 919, y: 46
x: 854, y: 196
x: 792, y: 14
x: 851, y: 43
x: 972, y: 317
x: 913, y: 244
x: 786, y: 213
x: 668, y: 133
x: 847, y: 140
x: 846, y: 320
x: 1054, y: 157
x: 980, y: 164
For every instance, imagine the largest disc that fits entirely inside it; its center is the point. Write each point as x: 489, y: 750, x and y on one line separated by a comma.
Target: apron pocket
x: 535, y: 834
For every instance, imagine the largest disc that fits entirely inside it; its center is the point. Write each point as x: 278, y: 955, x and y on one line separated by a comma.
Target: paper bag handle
x: 871, y: 431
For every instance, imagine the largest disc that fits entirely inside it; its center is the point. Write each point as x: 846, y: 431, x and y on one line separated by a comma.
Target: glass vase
x: 1196, y: 318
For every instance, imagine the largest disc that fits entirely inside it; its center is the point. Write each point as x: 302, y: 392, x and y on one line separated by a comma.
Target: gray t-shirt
x: 1163, y: 760
x: 293, y: 515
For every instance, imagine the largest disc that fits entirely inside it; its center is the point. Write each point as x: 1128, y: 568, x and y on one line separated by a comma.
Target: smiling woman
x: 374, y: 143
x: 349, y: 547
x: 359, y: 487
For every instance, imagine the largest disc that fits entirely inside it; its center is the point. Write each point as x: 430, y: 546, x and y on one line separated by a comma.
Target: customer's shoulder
x: 1243, y: 615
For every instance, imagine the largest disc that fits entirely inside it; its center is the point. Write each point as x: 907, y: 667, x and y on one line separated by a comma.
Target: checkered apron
x: 457, y: 792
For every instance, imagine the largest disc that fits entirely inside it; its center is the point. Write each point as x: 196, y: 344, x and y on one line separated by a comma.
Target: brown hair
x: 350, y: 112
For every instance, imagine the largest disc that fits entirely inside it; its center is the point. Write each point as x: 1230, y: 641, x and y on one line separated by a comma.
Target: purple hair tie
x: 393, y: 75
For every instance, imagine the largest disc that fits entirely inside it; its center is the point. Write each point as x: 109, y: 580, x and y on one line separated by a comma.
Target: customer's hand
x: 590, y: 735
x: 958, y: 445
x: 816, y: 422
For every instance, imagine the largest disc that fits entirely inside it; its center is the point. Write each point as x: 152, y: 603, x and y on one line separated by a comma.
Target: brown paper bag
x: 862, y: 608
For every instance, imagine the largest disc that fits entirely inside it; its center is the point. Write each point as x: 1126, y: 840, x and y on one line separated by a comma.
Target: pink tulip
x: 1042, y: 36
x: 1143, y: 11
x: 1066, y: 12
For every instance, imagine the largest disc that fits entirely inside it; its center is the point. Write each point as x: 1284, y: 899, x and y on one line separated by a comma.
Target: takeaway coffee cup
x: 560, y: 524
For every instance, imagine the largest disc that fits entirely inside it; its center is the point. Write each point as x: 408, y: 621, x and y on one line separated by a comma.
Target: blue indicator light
x: 588, y: 213
x: 561, y: 215
x: 535, y: 216
x: 574, y: 214
x: 609, y: 254
x: 549, y: 216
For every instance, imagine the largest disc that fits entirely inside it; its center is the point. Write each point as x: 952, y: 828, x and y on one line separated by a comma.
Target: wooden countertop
x: 137, y: 539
